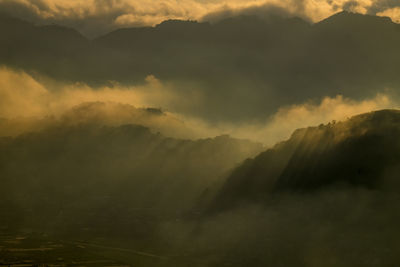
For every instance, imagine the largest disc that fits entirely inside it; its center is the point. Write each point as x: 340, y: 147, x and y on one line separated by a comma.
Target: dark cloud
x: 89, y: 23
x: 19, y: 10
x: 97, y: 17
x: 265, y: 11
x: 382, y: 5
x: 350, y: 6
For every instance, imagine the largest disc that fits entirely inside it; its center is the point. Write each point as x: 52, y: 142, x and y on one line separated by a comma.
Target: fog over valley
x: 199, y: 133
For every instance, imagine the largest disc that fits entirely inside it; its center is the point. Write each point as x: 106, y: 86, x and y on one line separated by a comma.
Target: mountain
x: 362, y: 152
x: 327, y: 196
x: 89, y: 176
x: 101, y: 113
x: 244, y: 67
x: 53, y: 50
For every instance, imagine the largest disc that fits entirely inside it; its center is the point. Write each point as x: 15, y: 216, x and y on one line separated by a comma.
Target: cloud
x: 25, y: 101
x: 265, y: 10
x: 23, y: 95
x: 20, y: 94
x: 382, y: 6
x: 393, y: 13
x: 287, y: 119
x: 296, y: 230
x: 280, y: 125
x: 338, y: 108
x: 96, y: 17
x: 351, y: 5
x: 28, y: 104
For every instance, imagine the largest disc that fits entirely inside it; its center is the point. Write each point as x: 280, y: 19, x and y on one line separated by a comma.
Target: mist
x: 28, y: 104
x: 199, y: 133
x: 319, y: 197
x: 332, y: 228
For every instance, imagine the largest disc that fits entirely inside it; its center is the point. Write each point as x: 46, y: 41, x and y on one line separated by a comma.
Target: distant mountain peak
x: 62, y: 31
x: 176, y: 22
x: 179, y: 24
x: 353, y: 17
x: 12, y: 21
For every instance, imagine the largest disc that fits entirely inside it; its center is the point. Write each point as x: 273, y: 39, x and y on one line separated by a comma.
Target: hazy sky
x: 94, y: 17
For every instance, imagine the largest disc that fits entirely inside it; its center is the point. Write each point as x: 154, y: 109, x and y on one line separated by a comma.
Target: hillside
x: 361, y: 152
x: 326, y: 197
x: 87, y: 176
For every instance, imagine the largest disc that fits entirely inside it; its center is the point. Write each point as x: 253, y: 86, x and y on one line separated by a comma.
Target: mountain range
x: 91, y: 175
x: 251, y: 65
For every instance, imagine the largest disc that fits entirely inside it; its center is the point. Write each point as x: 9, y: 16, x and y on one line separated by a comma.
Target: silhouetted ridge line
x: 252, y: 66
x: 363, y: 151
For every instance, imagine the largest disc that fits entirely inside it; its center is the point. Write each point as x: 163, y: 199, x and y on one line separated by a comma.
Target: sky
x: 96, y: 17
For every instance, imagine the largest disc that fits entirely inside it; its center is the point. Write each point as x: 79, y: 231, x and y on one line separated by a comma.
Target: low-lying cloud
x: 287, y: 119
x: 27, y: 103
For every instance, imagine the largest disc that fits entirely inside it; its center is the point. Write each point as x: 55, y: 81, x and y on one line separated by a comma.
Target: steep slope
x: 363, y: 151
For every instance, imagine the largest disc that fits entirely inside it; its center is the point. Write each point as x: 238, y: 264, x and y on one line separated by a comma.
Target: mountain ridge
x: 251, y: 66
x: 362, y: 151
